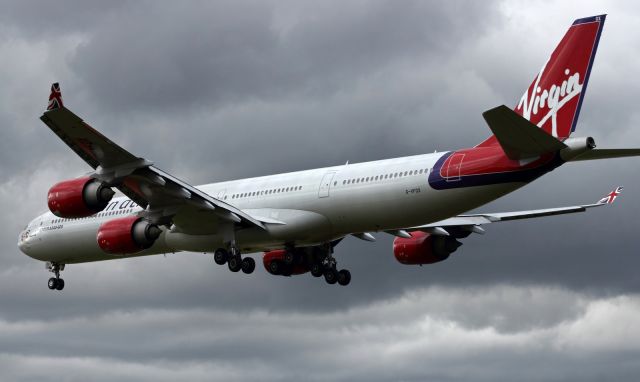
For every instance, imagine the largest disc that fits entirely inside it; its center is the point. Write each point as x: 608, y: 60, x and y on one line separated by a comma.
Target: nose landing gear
x: 55, y: 283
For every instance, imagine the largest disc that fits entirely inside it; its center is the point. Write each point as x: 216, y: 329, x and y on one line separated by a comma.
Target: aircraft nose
x: 23, y: 242
x: 22, y: 246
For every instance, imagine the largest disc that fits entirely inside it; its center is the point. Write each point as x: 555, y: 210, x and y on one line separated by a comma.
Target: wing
x: 472, y: 223
x: 607, y: 154
x: 165, y: 198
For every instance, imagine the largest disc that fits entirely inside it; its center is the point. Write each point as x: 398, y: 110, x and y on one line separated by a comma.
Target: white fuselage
x: 301, y: 208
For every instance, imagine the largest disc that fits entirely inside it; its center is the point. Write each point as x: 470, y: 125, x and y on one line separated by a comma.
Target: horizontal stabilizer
x: 519, y: 138
x: 607, y: 154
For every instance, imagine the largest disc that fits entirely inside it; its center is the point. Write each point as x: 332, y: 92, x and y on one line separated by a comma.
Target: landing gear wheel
x: 316, y: 270
x: 248, y: 265
x: 234, y: 263
x: 344, y: 277
x: 275, y: 267
x: 220, y: 256
x: 289, y: 257
x: 331, y: 276
x: 55, y: 282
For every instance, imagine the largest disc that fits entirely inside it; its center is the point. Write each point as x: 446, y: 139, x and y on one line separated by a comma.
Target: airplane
x: 297, y: 219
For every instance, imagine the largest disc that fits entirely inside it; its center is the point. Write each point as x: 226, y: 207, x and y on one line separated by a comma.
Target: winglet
x: 611, y: 197
x: 55, y: 98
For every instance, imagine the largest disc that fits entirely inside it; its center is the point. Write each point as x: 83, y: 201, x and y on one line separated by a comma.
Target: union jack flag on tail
x: 609, y: 199
x: 55, y: 98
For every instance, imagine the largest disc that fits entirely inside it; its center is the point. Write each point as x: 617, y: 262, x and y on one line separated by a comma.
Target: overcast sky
x: 229, y: 89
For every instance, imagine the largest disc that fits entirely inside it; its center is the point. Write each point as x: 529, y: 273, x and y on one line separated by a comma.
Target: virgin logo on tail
x: 553, y: 100
x: 550, y: 100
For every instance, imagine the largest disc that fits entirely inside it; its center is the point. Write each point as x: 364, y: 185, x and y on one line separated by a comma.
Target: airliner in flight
x: 297, y: 219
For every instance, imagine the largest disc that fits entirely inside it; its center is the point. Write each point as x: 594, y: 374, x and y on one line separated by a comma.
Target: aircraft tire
x: 220, y: 256
x: 275, y: 267
x: 248, y: 265
x: 289, y: 257
x: 316, y: 270
x: 344, y: 277
x: 331, y: 276
x: 60, y: 284
x: 234, y: 263
x: 52, y: 283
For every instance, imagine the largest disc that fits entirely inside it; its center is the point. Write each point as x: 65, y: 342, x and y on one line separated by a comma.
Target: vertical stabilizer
x: 553, y: 100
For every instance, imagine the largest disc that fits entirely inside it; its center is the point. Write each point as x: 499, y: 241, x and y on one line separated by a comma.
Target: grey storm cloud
x: 228, y: 89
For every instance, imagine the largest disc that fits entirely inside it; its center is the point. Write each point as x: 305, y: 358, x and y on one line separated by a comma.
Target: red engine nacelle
x: 78, y: 198
x: 423, y: 248
x: 127, y: 235
x: 274, y: 263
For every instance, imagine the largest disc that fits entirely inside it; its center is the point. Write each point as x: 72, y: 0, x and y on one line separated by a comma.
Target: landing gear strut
x: 234, y: 260
x: 55, y: 282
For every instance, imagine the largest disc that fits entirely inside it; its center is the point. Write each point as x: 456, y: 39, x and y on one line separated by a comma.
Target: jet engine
x: 424, y: 248
x: 127, y: 235
x: 274, y: 263
x: 78, y: 198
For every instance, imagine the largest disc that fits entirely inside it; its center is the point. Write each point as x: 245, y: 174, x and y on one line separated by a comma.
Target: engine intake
x: 78, y: 198
x: 423, y: 248
x: 127, y: 235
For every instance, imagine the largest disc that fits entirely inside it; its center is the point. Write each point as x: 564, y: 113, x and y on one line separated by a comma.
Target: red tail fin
x: 553, y: 100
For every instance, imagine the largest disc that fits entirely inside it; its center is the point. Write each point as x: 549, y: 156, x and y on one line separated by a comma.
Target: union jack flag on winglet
x: 609, y: 199
x: 55, y: 98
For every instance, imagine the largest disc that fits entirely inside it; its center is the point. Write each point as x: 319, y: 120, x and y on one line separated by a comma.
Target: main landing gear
x: 55, y: 282
x: 327, y: 267
x: 318, y: 260
x: 234, y: 260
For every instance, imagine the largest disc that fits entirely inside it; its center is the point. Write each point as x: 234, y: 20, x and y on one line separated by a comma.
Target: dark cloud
x: 233, y: 52
x: 451, y: 333
x: 239, y: 89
